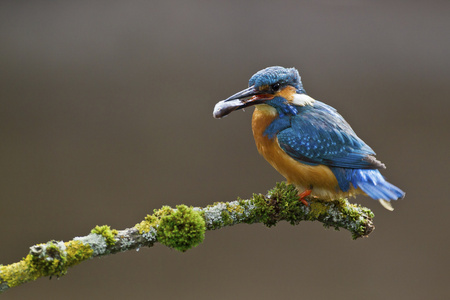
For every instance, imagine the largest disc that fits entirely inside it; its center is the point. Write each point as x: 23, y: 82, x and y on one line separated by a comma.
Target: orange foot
x: 302, y: 195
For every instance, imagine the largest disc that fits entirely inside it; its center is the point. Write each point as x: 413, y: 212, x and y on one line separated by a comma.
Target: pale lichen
x: 107, y: 233
x: 213, y: 215
x: 150, y: 235
x: 96, y: 242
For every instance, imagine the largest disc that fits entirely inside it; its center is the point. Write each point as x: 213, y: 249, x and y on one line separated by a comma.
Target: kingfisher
x: 308, y: 141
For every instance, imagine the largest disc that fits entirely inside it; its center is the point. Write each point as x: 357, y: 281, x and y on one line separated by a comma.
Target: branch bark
x: 183, y: 228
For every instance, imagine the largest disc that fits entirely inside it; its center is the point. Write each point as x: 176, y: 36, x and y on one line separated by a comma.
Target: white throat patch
x: 302, y: 100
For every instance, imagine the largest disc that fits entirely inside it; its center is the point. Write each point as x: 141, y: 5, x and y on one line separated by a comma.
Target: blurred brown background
x: 106, y: 114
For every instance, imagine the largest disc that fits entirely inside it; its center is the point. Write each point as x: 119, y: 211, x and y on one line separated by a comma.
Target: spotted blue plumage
x: 318, y: 135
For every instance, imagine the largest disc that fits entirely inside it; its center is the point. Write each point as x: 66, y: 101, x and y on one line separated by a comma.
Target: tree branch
x: 183, y: 228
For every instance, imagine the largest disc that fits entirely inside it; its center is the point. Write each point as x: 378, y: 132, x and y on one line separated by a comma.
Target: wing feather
x: 319, y: 135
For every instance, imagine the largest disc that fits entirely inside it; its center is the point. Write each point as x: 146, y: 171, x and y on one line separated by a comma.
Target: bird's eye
x: 275, y: 87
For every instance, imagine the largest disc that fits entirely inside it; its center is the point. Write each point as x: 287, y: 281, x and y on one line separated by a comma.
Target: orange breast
x: 320, y: 178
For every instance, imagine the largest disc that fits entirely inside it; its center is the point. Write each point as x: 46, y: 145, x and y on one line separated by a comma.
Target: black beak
x: 248, y: 97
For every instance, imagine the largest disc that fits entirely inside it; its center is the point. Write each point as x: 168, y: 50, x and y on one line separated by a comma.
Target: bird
x: 307, y: 141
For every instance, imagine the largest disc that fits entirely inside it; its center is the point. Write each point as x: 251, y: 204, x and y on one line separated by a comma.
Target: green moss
x: 163, y: 211
x: 149, y: 222
x: 318, y: 209
x: 47, y: 259
x: 152, y: 221
x: 13, y: 274
x: 181, y: 229
x: 50, y: 259
x: 265, y: 211
x: 292, y: 210
x: 281, y: 203
x: 77, y: 252
x: 353, y: 215
x: 226, y: 219
x: 235, y: 209
x: 107, y: 233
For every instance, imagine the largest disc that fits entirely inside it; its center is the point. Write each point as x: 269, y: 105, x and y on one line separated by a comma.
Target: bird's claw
x: 302, y: 195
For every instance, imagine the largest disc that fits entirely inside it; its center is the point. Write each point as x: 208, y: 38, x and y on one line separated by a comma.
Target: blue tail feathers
x: 369, y: 181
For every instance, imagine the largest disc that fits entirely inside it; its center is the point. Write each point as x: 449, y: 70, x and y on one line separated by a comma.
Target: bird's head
x: 275, y: 86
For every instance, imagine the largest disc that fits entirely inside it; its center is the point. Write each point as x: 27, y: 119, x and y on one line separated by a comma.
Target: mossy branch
x: 183, y: 228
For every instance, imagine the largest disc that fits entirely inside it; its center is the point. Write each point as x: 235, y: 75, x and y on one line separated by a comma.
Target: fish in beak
x: 245, y: 98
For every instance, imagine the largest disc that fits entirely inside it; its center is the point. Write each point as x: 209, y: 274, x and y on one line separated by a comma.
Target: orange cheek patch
x: 287, y: 93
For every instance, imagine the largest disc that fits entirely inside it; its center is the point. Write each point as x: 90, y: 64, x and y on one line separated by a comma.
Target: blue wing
x: 319, y: 135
